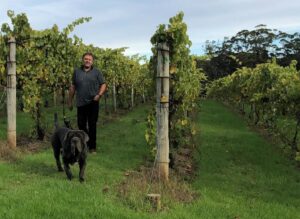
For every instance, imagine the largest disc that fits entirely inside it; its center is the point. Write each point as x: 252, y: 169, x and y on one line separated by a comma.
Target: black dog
x: 72, y: 145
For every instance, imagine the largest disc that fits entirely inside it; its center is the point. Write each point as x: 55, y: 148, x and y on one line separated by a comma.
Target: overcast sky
x: 131, y: 23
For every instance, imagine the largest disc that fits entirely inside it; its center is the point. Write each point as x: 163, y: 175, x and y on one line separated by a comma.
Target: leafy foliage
x: 270, y: 90
x: 46, y: 60
x: 185, y: 81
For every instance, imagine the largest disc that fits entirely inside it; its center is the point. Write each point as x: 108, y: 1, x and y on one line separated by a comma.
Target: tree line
x: 247, y: 48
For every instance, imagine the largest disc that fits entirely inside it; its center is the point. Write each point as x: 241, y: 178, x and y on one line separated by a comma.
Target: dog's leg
x: 68, y: 170
x: 56, y: 151
x: 82, y: 165
x: 56, y: 145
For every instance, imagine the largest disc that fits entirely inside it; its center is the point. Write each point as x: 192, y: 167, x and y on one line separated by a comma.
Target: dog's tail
x: 55, y: 120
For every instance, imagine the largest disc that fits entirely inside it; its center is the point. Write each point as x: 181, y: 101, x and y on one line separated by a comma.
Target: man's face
x: 87, y: 61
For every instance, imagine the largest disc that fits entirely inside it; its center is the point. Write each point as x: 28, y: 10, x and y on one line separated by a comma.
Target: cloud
x: 118, y: 23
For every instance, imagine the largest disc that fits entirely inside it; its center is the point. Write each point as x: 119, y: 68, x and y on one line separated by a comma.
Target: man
x: 89, y: 85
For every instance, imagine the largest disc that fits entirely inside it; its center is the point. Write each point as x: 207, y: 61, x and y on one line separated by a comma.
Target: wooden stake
x: 155, y: 201
x: 143, y: 95
x: 11, y: 95
x: 54, y: 98
x: 162, y: 110
x: 114, y: 97
x: 132, y: 96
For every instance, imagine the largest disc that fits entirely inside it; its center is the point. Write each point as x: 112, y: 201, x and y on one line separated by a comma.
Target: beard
x: 87, y: 66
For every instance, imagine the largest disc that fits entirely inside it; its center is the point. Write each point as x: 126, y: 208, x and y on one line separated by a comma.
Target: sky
x: 131, y: 23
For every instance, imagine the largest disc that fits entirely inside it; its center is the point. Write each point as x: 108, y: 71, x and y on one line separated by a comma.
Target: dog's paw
x: 81, y: 180
x: 70, y: 177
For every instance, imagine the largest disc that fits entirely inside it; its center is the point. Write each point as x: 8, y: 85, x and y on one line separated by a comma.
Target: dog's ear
x: 85, y: 137
x: 69, y: 135
x: 67, y: 138
x: 79, y: 147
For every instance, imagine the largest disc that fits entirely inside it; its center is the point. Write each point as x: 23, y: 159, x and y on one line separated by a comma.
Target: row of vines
x: 46, y: 60
x: 270, y: 96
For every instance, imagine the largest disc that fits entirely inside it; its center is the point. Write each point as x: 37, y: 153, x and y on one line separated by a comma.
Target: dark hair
x: 87, y: 54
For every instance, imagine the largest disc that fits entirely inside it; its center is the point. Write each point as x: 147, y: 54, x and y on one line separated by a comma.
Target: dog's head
x: 77, y: 140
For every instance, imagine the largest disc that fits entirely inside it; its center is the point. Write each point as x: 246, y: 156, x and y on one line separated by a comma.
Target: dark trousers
x: 87, y: 117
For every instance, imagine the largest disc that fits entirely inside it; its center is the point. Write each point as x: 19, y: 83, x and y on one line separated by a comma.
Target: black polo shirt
x: 86, y: 85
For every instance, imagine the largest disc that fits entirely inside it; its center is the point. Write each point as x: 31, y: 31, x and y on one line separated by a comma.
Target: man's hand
x: 97, y: 97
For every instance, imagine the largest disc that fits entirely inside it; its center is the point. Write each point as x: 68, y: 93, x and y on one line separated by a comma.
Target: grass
x: 240, y: 175
x: 33, y: 188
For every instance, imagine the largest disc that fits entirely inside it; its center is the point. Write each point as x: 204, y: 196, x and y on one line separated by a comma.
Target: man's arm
x: 101, y: 91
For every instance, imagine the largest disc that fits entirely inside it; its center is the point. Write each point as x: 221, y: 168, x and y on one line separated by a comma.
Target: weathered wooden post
x: 11, y: 94
x: 54, y: 98
x: 114, y: 96
x: 105, y: 102
x: 132, y: 96
x: 155, y: 201
x: 162, y: 110
x: 143, y: 95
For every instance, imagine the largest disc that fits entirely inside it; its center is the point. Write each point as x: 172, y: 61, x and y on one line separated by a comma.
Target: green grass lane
x: 240, y: 175
x: 32, y: 188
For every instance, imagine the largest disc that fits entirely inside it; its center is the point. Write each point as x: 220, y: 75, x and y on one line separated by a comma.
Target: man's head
x: 87, y: 60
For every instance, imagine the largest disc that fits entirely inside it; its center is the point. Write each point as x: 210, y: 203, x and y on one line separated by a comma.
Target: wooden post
x: 105, y: 102
x: 143, y: 95
x: 155, y: 201
x: 11, y: 94
x: 132, y: 96
x: 114, y: 96
x: 162, y: 110
x: 54, y: 98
